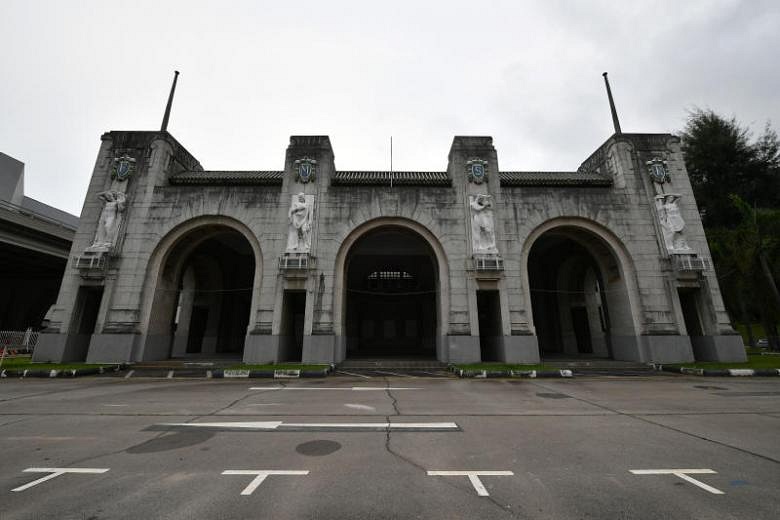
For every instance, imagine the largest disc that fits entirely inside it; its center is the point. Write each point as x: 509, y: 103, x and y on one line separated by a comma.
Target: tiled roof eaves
x: 234, y: 178
x: 553, y: 179
x: 383, y: 178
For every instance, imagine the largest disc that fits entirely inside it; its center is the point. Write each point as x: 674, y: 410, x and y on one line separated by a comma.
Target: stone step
x: 394, y: 364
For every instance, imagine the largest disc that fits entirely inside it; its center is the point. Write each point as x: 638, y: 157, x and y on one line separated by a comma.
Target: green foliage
x: 721, y: 161
x: 737, y: 188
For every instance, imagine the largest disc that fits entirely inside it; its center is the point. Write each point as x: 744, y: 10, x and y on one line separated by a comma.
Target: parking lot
x: 394, y: 447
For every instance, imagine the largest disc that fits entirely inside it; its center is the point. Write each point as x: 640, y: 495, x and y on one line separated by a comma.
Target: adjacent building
x: 35, y: 243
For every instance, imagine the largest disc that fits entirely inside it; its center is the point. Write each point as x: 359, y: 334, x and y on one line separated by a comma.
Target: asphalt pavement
x: 661, y: 447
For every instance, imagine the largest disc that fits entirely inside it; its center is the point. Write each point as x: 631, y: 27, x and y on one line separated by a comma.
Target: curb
x: 518, y: 374
x: 270, y: 374
x: 727, y: 372
x: 72, y: 372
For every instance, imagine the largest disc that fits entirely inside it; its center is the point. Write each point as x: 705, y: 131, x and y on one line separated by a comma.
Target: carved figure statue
x: 110, y: 219
x: 299, y: 231
x: 483, y: 234
x: 672, y: 223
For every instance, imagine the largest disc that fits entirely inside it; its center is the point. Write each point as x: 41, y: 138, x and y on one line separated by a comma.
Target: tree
x: 721, y: 160
x: 737, y: 188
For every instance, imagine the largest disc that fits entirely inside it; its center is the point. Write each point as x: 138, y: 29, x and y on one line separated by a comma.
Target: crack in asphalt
x: 643, y: 418
x: 403, y: 458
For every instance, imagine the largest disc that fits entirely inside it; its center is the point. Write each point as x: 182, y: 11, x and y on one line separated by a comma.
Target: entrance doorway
x: 291, y: 333
x: 203, y: 297
x: 490, y: 333
x: 578, y: 296
x: 391, y: 295
x: 83, y: 323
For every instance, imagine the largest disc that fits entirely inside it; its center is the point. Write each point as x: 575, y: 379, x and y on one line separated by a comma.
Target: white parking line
x: 352, y: 374
x: 114, y: 405
x: 473, y: 478
x: 683, y: 474
x: 260, y: 476
x: 360, y: 407
x: 395, y: 374
x: 279, y: 425
x: 170, y: 374
x: 55, y: 472
x: 129, y: 374
x: 344, y: 388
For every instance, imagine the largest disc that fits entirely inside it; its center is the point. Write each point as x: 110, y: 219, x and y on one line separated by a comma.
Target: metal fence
x: 17, y: 342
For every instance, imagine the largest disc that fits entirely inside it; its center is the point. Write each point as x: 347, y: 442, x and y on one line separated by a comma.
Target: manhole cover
x: 318, y: 448
x: 547, y: 395
x: 706, y: 387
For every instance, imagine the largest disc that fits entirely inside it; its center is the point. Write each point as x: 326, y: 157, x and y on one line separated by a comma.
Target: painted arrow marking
x: 260, y: 476
x: 55, y: 472
x: 283, y: 426
x: 683, y: 474
x: 473, y: 478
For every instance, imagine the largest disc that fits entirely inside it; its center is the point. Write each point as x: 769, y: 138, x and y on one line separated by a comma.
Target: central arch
x: 391, y: 291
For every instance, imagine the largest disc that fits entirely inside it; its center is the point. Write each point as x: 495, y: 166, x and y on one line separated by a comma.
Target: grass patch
x: 754, y: 361
x: 25, y: 363
x: 281, y: 366
x: 504, y: 367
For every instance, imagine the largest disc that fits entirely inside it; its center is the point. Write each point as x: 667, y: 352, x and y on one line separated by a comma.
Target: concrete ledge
x: 111, y: 348
x: 50, y: 348
x: 666, y: 349
x: 319, y: 349
x: 522, y: 374
x: 77, y: 372
x: 462, y: 349
x: 269, y: 374
x: 261, y: 348
x: 719, y: 348
x: 520, y: 350
x: 726, y: 372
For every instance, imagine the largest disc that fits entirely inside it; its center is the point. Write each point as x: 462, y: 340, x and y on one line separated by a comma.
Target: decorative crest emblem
x: 305, y: 170
x: 658, y: 171
x: 476, y: 170
x: 124, y: 167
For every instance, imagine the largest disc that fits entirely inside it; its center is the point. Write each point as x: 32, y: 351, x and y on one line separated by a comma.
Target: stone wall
x: 617, y: 219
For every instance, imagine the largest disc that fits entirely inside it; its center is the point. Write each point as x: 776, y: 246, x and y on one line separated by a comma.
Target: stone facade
x: 645, y: 296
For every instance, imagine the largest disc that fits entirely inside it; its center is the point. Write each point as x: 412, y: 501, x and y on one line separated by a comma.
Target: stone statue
x: 300, y: 215
x: 110, y: 219
x: 483, y: 234
x: 672, y: 223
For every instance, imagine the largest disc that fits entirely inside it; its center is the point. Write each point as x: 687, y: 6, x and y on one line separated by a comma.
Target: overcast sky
x: 255, y: 72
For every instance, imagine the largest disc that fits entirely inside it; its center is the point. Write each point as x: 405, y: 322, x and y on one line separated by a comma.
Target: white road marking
x: 275, y: 425
x: 129, y: 374
x: 170, y: 374
x: 114, y: 405
x: 360, y: 407
x: 265, y: 404
x: 55, y: 472
x: 260, y: 476
x: 394, y: 374
x: 473, y: 478
x: 353, y: 374
x: 683, y: 474
x: 347, y: 388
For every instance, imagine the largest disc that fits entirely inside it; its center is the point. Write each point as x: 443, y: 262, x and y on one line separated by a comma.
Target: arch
x: 166, y: 263
x: 609, y: 256
x: 352, y: 237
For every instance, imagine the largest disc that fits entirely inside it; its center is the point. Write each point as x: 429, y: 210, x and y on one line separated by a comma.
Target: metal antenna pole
x: 164, y: 127
x: 391, y: 161
x: 612, y: 106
